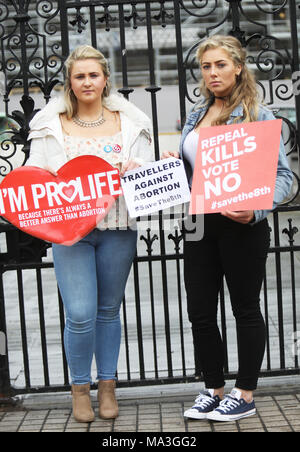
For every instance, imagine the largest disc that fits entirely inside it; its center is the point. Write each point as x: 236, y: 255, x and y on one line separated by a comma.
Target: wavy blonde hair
x: 245, y: 91
x: 83, y: 52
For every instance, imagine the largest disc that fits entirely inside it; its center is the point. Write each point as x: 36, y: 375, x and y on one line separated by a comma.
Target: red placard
x: 64, y: 208
x: 235, y: 167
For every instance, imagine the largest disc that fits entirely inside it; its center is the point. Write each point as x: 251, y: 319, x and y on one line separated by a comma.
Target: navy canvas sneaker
x: 232, y: 408
x: 204, y: 403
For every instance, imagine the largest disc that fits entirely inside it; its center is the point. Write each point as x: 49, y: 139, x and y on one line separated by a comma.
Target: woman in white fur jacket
x: 92, y: 273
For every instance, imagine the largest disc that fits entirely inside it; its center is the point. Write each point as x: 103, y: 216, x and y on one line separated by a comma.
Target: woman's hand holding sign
x: 127, y: 166
x: 243, y: 217
x: 168, y: 154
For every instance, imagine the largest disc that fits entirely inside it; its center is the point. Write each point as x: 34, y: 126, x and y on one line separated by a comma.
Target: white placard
x: 155, y: 186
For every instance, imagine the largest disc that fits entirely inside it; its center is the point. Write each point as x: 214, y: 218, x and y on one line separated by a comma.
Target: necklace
x: 95, y: 123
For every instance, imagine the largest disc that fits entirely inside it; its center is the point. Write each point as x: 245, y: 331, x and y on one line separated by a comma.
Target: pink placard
x: 236, y: 167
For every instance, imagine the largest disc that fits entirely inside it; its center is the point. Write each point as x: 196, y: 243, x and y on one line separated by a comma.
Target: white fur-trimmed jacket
x: 47, y: 145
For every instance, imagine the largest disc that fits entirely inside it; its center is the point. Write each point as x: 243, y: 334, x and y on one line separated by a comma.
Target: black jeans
x: 239, y: 252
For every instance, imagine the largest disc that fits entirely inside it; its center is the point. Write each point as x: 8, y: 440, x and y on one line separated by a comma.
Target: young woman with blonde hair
x: 92, y: 273
x: 234, y: 244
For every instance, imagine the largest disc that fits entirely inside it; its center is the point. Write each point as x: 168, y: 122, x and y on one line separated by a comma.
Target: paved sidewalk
x: 278, y: 410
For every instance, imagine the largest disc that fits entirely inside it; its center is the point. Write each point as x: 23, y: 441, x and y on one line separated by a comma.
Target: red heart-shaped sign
x: 63, y: 208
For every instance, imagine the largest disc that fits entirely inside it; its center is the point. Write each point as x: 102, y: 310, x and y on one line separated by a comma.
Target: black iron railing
x: 35, y: 38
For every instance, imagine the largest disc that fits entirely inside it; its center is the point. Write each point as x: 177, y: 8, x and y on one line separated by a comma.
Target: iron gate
x: 151, y: 48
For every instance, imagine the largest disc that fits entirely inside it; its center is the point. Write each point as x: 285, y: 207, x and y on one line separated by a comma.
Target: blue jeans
x: 92, y: 276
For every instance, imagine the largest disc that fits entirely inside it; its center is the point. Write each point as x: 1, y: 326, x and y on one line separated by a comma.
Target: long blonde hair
x: 83, y: 52
x: 245, y: 91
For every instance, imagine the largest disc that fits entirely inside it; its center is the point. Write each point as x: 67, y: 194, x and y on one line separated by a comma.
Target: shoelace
x: 203, y: 400
x: 228, y: 403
